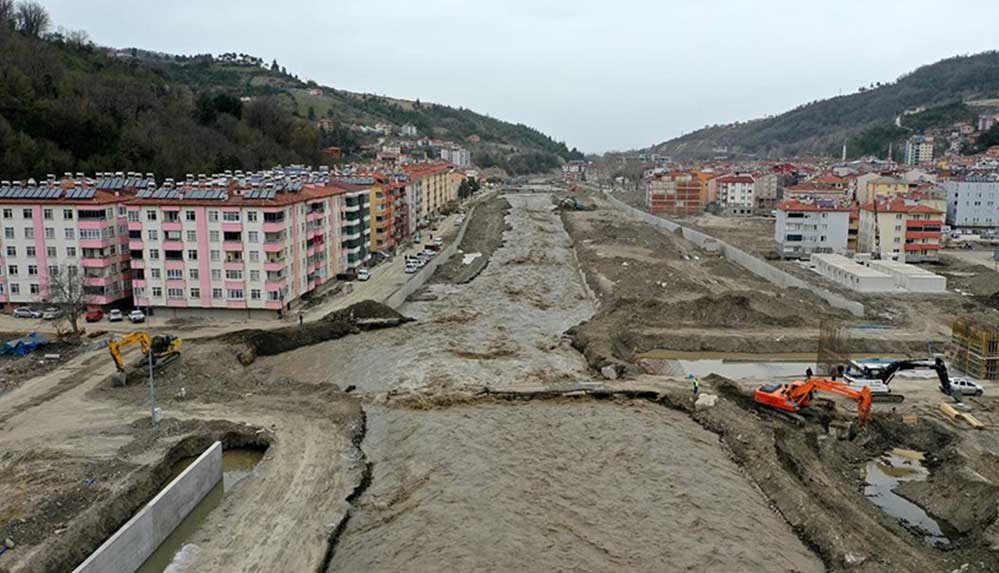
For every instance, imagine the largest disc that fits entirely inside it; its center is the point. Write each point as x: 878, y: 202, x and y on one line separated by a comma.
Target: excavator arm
x: 802, y: 394
x: 937, y: 365
x: 117, y: 345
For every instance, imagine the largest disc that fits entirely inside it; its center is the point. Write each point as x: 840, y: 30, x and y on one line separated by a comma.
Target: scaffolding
x: 975, y: 347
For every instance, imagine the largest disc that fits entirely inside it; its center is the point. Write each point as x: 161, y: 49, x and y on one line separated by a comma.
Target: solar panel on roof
x: 145, y: 194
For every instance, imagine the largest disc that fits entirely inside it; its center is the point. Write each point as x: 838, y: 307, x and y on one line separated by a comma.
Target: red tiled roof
x: 900, y: 205
x: 735, y: 179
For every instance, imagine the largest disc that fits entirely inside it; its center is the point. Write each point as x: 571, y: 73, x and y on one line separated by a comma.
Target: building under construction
x: 975, y: 347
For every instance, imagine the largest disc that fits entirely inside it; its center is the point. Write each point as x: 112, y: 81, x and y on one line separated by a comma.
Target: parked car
x: 137, y: 316
x: 52, y: 313
x: 363, y: 274
x: 94, y: 315
x: 967, y: 387
x: 437, y: 241
x: 25, y: 312
x: 411, y: 268
x: 115, y: 315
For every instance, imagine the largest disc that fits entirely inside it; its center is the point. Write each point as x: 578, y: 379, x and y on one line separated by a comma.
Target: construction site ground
x: 476, y: 437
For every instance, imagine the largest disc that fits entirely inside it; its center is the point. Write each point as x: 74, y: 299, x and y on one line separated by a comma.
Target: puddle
x: 172, y: 556
x: 884, y: 474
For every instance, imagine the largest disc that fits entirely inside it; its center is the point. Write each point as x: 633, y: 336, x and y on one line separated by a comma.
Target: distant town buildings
x: 802, y: 229
x: 919, y: 149
x: 574, y: 170
x: 902, y: 228
x: 456, y: 155
x: 735, y: 194
x: 408, y: 130
x: 972, y: 202
x: 674, y: 193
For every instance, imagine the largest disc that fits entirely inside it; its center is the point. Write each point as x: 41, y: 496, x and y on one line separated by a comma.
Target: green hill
x: 866, y: 118
x: 67, y: 105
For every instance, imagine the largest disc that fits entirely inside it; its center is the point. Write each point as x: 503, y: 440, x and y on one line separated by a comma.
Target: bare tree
x: 67, y: 291
x: 7, y: 16
x: 32, y: 18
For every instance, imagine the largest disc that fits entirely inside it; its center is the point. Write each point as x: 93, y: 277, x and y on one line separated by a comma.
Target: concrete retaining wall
x: 419, y: 278
x: 135, y: 541
x: 753, y: 264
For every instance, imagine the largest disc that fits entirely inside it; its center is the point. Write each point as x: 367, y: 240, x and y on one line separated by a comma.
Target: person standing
x: 301, y: 318
x: 695, y: 382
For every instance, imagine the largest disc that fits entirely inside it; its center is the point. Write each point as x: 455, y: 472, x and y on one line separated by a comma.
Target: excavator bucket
x: 119, y: 379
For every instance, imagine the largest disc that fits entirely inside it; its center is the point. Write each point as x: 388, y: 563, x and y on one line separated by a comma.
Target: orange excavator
x: 792, y: 398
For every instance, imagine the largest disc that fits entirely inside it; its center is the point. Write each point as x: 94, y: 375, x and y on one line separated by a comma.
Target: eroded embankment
x: 557, y: 485
x: 483, y: 236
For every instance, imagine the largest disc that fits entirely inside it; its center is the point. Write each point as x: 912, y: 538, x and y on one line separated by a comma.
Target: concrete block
x: 135, y: 541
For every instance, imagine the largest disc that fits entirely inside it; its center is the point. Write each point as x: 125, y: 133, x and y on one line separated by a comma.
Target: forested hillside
x: 866, y: 116
x: 68, y: 105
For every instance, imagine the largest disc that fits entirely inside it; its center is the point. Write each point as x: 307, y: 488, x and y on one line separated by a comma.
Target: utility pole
x: 152, y: 388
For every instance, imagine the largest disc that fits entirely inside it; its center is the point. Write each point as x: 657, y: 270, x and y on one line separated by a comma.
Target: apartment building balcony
x: 233, y: 265
x: 314, y: 216
x: 94, y: 281
x: 91, y: 224
x: 177, y: 283
x: 94, y: 243
x: 924, y: 223
x: 232, y: 246
x: 909, y: 247
x: 274, y: 227
x: 918, y: 235
x: 171, y: 226
x: 276, y: 284
x: 138, y: 264
x: 172, y: 246
x: 232, y: 227
x: 275, y: 266
x: 274, y: 247
x: 139, y: 283
x: 95, y: 263
x: 135, y: 245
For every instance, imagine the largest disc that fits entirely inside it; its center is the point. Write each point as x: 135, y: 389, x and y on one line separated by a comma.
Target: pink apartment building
x: 251, y: 246
x: 74, y: 226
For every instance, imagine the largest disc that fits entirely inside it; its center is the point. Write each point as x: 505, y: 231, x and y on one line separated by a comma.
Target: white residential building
x: 972, y: 203
x: 736, y: 194
x: 805, y: 228
x: 918, y: 149
x: 457, y: 156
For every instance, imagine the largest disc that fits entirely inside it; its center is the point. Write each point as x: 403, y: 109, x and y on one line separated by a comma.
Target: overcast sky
x: 600, y: 75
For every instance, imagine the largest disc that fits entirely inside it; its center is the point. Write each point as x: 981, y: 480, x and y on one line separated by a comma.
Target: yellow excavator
x: 164, y: 349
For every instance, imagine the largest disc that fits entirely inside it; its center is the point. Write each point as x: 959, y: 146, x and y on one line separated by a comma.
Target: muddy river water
x: 541, y: 485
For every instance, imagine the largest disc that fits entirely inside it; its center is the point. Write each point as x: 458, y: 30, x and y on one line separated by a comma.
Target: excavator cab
x: 161, y: 349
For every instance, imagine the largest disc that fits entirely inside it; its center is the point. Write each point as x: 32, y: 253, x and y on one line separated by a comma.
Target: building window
x: 216, y: 293
x: 8, y: 232
x: 175, y: 274
x: 213, y: 216
x: 15, y: 289
x: 175, y: 293
x: 233, y: 275
x: 235, y: 294
x: 53, y: 269
x: 230, y: 216
x: 139, y: 291
x: 11, y: 251
x: 51, y: 252
x: 254, y: 256
x: 193, y: 274
x: 213, y: 236
x: 154, y: 273
x: 34, y: 288
x: 29, y: 232
x: 70, y: 234
x: 215, y: 255
x: 27, y: 213
x: 70, y: 251
x: 47, y: 214
x: 30, y: 252
x: 32, y: 270
x: 251, y: 216
x: 150, y: 215
x: 157, y: 292
x: 133, y: 216
x: 152, y: 234
x: 195, y: 292
x: 192, y: 254
x: 49, y: 232
x: 255, y: 294
x: 154, y: 253
x: 192, y: 236
x: 253, y: 237
x: 8, y: 213
x: 12, y: 270
x: 189, y: 215
x: 216, y: 275
x: 255, y: 276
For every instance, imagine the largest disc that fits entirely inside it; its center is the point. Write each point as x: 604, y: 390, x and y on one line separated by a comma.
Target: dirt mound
x: 364, y: 315
x: 483, y: 235
x: 736, y: 309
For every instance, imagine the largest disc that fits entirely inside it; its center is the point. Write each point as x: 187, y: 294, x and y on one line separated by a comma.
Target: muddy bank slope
x: 483, y: 235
